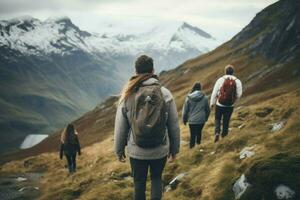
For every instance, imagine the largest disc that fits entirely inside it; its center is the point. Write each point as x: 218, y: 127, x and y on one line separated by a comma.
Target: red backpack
x: 227, y: 95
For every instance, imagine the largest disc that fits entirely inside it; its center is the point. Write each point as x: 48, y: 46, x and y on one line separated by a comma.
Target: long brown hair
x: 134, y: 83
x: 69, y: 136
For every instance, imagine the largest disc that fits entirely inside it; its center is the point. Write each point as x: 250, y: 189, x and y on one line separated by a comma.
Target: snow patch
x: 240, y: 186
x: 32, y: 140
x: 284, y: 192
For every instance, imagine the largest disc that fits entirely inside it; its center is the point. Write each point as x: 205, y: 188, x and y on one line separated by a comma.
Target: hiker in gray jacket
x: 196, y: 112
x: 147, y: 122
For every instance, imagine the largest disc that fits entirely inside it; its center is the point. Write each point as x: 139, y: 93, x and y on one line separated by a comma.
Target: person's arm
x: 61, y: 152
x: 121, y: 132
x: 239, y: 89
x: 173, y: 129
x: 78, y: 146
x: 214, y: 94
x: 185, y: 111
x: 207, y: 108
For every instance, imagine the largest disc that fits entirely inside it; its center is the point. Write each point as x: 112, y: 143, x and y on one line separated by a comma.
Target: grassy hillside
x: 271, y: 95
x: 212, y: 169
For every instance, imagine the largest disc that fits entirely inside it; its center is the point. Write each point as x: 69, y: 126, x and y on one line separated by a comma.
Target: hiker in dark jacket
x: 196, y: 112
x: 162, y: 130
x: 227, y: 90
x: 70, y: 146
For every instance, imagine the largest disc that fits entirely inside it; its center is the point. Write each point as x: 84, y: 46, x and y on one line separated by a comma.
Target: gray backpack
x: 148, y: 116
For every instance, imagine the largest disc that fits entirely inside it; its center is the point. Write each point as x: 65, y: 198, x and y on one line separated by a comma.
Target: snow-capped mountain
x: 52, y: 71
x: 60, y: 36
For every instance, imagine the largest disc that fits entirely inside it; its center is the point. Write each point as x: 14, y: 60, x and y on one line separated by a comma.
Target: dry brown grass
x: 100, y: 175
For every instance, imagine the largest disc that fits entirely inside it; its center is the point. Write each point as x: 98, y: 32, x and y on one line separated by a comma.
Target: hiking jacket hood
x: 196, y: 108
x: 123, y: 134
x: 196, y: 96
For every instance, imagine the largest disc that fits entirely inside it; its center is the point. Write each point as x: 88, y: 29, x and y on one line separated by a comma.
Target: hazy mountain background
x: 51, y: 71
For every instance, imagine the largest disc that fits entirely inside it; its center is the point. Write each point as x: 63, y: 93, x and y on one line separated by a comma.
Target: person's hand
x: 122, y: 157
x: 171, y: 157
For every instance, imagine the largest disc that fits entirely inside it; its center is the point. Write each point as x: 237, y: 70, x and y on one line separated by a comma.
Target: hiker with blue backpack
x: 147, y: 123
x: 227, y: 90
x: 195, y: 111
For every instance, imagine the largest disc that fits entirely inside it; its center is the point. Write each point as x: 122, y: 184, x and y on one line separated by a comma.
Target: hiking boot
x: 216, y: 138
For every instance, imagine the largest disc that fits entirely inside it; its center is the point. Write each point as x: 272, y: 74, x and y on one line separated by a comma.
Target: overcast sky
x: 222, y: 18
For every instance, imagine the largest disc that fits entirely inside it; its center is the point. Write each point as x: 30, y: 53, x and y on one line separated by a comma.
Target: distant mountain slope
x: 52, y: 72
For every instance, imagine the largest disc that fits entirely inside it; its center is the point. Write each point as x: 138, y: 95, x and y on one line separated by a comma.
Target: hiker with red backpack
x: 147, y: 122
x: 226, y: 91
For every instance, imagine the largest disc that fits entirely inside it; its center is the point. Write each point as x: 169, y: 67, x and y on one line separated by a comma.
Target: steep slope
x: 271, y: 85
x: 52, y: 72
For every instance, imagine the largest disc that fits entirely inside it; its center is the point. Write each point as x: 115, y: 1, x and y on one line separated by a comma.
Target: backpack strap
x: 124, y: 113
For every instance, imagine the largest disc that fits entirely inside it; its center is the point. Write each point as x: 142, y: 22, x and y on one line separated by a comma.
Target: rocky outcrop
x: 275, y: 32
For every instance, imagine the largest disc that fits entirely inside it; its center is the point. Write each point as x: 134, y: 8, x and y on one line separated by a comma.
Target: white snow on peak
x: 32, y: 140
x: 193, y: 39
x: 53, y: 37
x: 56, y: 19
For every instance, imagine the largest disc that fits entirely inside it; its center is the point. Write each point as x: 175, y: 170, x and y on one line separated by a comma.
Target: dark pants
x: 71, y: 159
x: 222, y: 113
x: 140, y: 170
x: 196, y: 133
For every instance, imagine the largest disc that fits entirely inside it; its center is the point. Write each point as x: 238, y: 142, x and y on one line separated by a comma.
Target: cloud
x: 228, y: 15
